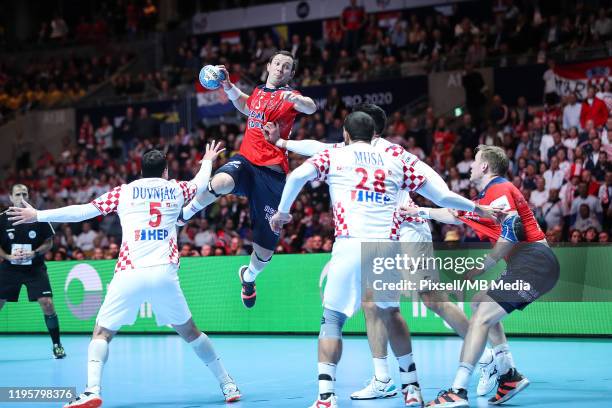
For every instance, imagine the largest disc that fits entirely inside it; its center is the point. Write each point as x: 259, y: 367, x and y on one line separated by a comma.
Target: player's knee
x: 46, y: 304
x: 369, y: 308
x: 221, y: 184
x: 103, y: 333
x: 331, y: 324
x: 482, y: 319
x: 262, y: 254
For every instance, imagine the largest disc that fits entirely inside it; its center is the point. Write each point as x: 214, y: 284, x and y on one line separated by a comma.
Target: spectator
x: 551, y: 213
x: 593, y: 204
x: 104, y: 134
x: 585, y: 220
x: 540, y: 195
x: 572, y: 113
x: 206, y: 235
x: 550, y: 87
x: 603, y: 25
x: 59, y: 29
x: 85, y: 240
x: 593, y: 109
x: 554, y: 176
x: 352, y: 22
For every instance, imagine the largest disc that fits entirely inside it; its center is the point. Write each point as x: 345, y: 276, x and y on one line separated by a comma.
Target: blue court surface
x: 280, y: 371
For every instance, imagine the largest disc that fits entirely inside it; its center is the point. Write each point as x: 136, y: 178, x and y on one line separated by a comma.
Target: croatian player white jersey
x: 364, y: 184
x: 148, y: 209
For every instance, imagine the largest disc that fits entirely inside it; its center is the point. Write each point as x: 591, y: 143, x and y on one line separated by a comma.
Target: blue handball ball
x: 211, y: 77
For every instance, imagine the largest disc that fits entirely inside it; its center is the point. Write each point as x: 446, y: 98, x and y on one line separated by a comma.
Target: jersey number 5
x: 154, y: 211
x: 379, y: 180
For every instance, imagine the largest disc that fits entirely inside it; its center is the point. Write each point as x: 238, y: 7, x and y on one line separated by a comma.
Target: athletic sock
x: 204, y: 349
x: 503, y: 358
x: 408, y: 374
x: 327, y: 378
x: 192, y: 209
x: 97, y: 354
x: 52, y: 323
x: 256, y: 265
x: 462, y: 378
x: 381, y: 369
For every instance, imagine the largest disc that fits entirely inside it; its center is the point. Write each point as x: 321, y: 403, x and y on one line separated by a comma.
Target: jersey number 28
x: 379, y: 180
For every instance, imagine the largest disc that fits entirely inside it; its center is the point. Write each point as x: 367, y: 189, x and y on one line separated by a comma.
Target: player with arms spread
x: 147, y: 268
x: 259, y: 170
x: 350, y: 171
x: 413, y: 229
x: 522, y: 243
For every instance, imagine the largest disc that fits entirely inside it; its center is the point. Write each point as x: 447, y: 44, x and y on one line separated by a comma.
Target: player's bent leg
x: 220, y: 184
x: 203, y: 348
x: 381, y: 385
x: 52, y: 323
x: 330, y: 351
x: 97, y: 355
x: 439, y: 303
x: 260, y: 257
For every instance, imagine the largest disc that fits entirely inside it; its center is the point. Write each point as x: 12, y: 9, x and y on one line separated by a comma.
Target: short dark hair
x: 286, y: 54
x: 376, y: 112
x: 360, y: 126
x: 153, y: 163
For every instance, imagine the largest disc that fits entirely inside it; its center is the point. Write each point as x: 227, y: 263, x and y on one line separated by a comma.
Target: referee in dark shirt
x: 22, y: 249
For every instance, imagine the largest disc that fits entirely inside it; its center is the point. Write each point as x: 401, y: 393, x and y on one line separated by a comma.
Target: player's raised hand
x: 213, y: 150
x: 271, y: 132
x: 226, y: 83
x: 278, y: 220
x: 25, y: 215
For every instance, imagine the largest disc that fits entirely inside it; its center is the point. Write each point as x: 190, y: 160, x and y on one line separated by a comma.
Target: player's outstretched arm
x: 443, y: 215
x: 296, y: 180
x: 304, y: 147
x: 238, y: 98
x: 71, y: 213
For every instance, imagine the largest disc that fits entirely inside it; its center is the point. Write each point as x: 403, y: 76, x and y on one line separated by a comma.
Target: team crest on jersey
x: 235, y: 163
x: 11, y: 235
x: 32, y: 234
x: 150, y: 235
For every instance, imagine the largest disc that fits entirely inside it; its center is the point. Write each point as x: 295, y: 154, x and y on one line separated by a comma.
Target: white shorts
x: 157, y: 285
x: 417, y: 241
x: 343, y: 288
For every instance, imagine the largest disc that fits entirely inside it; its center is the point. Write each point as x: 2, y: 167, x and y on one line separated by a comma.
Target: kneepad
x: 331, y: 324
x: 211, y: 190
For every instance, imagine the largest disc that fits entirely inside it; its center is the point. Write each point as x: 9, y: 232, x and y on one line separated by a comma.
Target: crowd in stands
x: 53, y: 82
x: 560, y: 152
x: 360, y: 46
x: 559, y: 160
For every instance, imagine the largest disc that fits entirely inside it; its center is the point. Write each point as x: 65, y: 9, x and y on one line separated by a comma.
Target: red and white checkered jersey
x: 148, y: 209
x: 364, y: 184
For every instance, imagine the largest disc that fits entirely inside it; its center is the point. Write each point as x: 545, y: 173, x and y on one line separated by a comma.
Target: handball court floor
x: 280, y: 371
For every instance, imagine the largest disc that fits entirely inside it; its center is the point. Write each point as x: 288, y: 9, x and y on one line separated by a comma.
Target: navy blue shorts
x: 264, y: 188
x: 533, y: 263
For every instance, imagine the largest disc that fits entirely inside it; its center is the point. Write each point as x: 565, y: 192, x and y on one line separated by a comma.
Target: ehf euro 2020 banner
x: 577, y: 77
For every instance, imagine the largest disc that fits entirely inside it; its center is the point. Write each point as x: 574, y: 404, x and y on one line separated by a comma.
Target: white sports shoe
x: 331, y: 402
x: 413, y: 396
x: 375, y: 389
x: 85, y: 400
x: 488, y: 373
x: 230, y: 391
